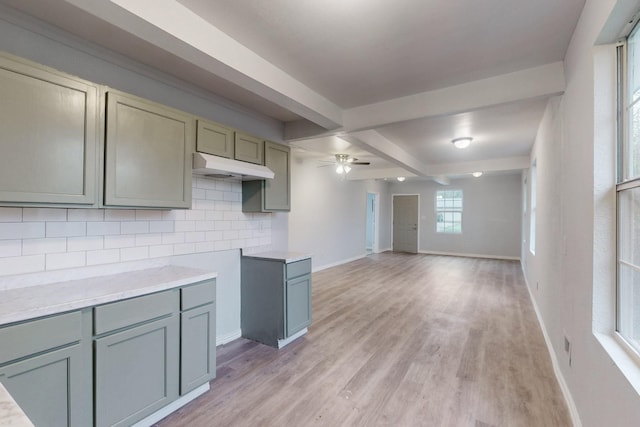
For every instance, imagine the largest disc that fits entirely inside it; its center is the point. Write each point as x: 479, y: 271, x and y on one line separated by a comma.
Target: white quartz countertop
x: 286, y: 257
x: 10, y: 412
x: 45, y: 299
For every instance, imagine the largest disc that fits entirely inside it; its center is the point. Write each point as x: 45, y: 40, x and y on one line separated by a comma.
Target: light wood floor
x: 396, y: 340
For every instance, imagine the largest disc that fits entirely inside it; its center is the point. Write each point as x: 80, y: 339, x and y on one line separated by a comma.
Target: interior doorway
x: 405, y: 223
x: 371, y: 238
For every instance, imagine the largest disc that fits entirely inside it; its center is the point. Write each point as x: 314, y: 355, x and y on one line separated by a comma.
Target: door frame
x: 418, y: 224
x: 376, y: 221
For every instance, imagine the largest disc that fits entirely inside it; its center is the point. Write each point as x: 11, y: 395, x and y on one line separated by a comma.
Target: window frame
x: 451, y: 210
x: 533, y: 206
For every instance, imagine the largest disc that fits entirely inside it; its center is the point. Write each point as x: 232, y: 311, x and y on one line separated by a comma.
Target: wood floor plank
x: 396, y: 340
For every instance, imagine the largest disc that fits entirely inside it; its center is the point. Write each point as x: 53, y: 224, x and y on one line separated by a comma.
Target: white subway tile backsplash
x: 85, y: 214
x: 10, y: 214
x: 148, y: 239
x: 158, y: 251
x: 43, y: 214
x: 87, y: 243
x: 120, y: 241
x: 105, y: 228
x: 104, y: 256
x: 132, y: 254
x: 21, y: 264
x: 119, y: 215
x: 148, y: 215
x: 66, y: 229
x: 44, y: 246
x: 10, y: 248
x: 39, y: 239
x: 21, y: 230
x: 65, y: 260
x: 134, y: 227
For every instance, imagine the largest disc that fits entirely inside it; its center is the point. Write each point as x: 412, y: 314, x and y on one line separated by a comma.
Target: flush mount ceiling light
x: 462, y: 142
x: 401, y: 178
x: 477, y: 174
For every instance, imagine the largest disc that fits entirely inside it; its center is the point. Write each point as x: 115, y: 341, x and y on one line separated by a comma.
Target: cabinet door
x: 215, y: 139
x: 298, y: 304
x: 148, y: 154
x: 249, y: 149
x: 48, y: 136
x: 198, y: 347
x: 136, y: 372
x: 49, y: 388
x: 277, y: 191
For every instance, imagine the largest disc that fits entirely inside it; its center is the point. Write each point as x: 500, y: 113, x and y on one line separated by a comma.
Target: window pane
x: 629, y: 226
x: 634, y: 65
x: 632, y: 145
x: 629, y: 305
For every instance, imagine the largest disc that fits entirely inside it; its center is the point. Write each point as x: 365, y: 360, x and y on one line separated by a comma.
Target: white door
x: 405, y: 223
x: 371, y: 222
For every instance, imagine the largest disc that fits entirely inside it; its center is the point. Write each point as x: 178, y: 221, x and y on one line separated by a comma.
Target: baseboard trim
x: 227, y: 338
x: 507, y: 258
x: 335, y: 264
x: 573, y: 410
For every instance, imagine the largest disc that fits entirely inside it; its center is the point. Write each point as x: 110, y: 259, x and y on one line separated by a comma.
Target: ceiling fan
x: 344, y: 162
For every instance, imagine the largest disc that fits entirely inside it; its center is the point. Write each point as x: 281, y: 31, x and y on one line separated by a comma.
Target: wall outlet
x: 537, y: 285
x: 567, y: 347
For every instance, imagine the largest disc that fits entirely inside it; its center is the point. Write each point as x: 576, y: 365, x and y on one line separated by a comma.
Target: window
x: 449, y: 211
x: 532, y: 222
x: 628, y: 190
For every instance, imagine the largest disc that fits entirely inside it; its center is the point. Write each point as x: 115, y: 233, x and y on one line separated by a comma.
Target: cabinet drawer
x: 198, y: 294
x: 298, y: 268
x: 121, y: 314
x: 32, y: 337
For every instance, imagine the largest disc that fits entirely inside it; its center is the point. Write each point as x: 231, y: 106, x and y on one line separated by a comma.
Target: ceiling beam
x: 177, y: 30
x: 362, y: 173
x: 491, y: 165
x: 544, y: 81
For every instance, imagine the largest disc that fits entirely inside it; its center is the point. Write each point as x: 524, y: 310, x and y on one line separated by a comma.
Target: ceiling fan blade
x: 360, y: 163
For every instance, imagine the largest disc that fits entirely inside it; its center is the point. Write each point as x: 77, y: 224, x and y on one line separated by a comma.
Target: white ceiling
x: 388, y: 82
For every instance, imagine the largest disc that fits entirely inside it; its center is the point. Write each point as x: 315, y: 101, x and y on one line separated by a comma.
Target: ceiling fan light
x: 462, y: 142
x: 339, y: 169
x: 401, y: 178
x: 347, y: 168
x: 477, y: 174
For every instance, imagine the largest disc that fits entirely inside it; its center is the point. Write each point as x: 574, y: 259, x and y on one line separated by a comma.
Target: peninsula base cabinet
x: 46, y: 364
x: 147, y: 352
x: 275, y: 299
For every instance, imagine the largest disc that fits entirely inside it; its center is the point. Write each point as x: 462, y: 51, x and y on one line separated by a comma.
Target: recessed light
x: 462, y: 142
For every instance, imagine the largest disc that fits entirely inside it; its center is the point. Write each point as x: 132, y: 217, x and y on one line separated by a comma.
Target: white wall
x: 491, y: 220
x: 572, y: 274
x: 328, y: 214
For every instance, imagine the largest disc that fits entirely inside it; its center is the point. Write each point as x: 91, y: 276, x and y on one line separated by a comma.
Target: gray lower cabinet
x: 45, y: 365
x: 147, y: 154
x: 48, y: 136
x: 197, y: 335
x: 275, y: 299
x: 136, y: 365
x: 270, y: 195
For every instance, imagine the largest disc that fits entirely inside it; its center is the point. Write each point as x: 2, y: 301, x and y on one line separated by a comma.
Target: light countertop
x: 286, y: 257
x: 10, y: 413
x: 42, y: 300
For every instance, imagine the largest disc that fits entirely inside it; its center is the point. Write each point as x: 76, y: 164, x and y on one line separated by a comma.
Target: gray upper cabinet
x: 213, y: 138
x: 249, y: 148
x: 48, y: 136
x: 147, y: 154
x: 271, y: 195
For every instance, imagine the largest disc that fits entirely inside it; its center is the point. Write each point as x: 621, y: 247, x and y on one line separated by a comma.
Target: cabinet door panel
x: 249, y: 149
x: 48, y: 139
x: 215, y: 139
x: 148, y: 154
x: 298, y: 304
x: 198, y: 347
x: 277, y: 190
x: 47, y: 386
x: 136, y: 372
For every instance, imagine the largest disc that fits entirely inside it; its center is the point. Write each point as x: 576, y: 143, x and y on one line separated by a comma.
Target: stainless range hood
x: 219, y: 167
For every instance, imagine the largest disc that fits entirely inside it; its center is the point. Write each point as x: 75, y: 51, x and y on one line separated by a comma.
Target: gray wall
x: 491, y: 219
